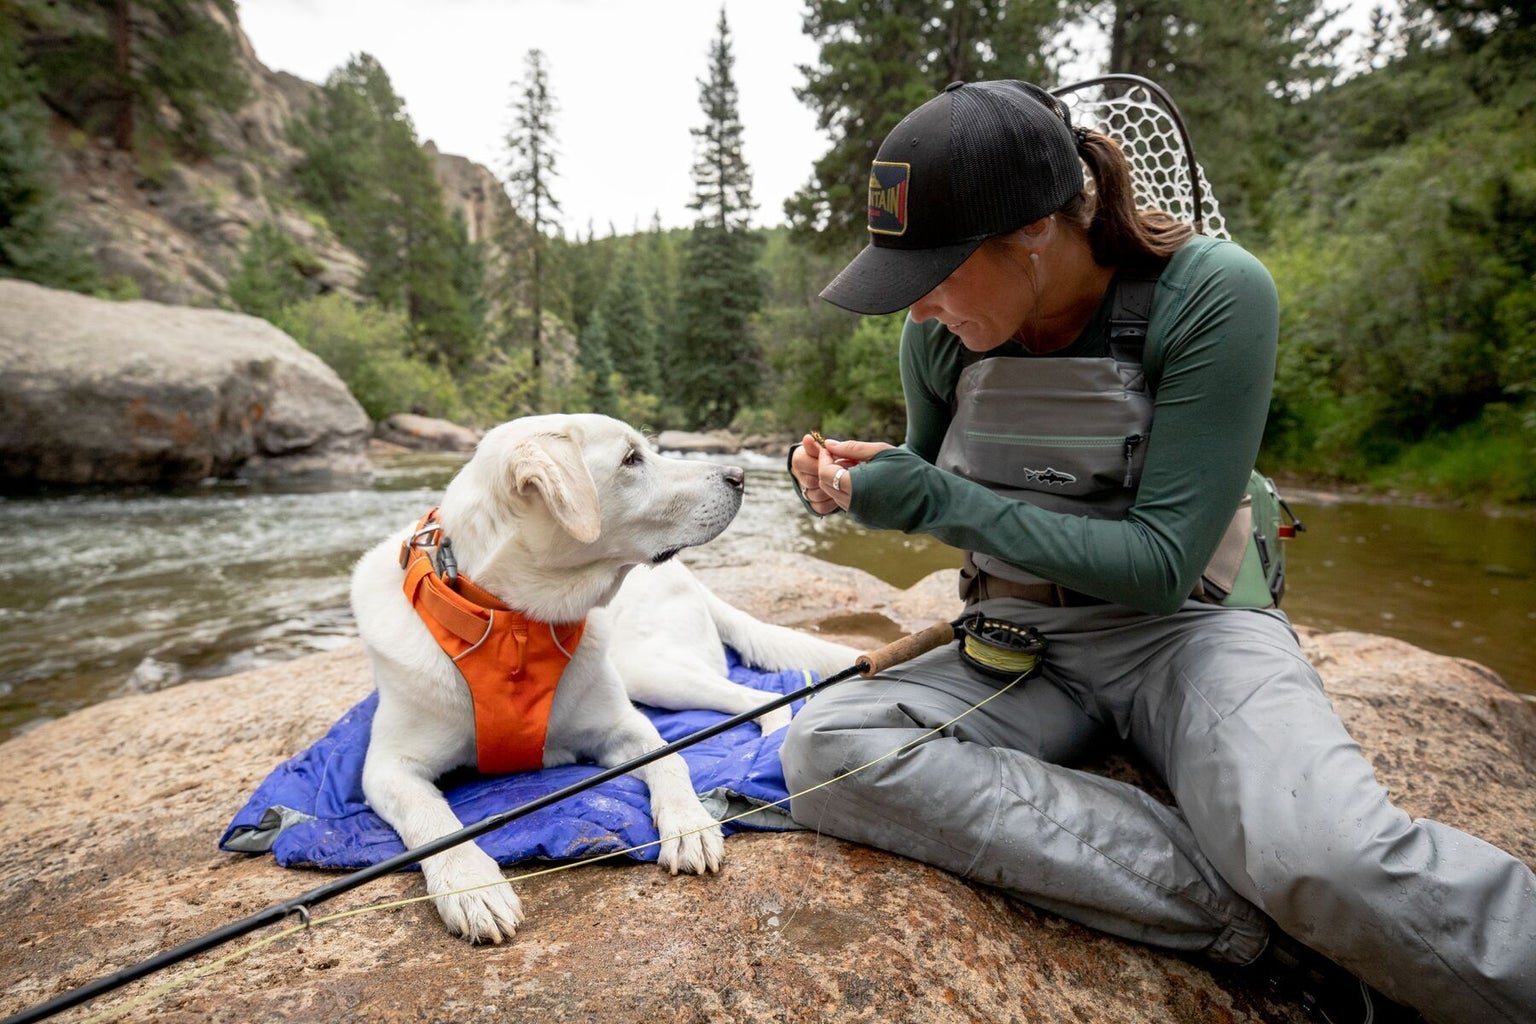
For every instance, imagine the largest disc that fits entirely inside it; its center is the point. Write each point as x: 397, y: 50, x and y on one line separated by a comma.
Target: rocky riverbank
x: 110, y: 818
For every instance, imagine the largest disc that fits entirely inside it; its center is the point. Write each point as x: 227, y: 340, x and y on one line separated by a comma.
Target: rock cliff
x: 110, y: 818
x: 472, y: 192
x: 178, y: 231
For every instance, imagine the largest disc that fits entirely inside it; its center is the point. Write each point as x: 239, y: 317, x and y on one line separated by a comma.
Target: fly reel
x: 1001, y: 649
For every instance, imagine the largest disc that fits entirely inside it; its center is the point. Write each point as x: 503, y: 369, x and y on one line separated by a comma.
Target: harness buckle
x: 1132, y: 331
x: 445, y: 564
x: 429, y: 540
x: 416, y: 540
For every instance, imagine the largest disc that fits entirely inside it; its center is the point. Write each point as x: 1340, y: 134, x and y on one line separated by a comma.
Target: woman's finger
x: 854, y: 452
x: 835, y: 481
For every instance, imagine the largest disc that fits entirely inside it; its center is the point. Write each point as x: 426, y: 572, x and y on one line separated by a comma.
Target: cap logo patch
x: 888, y: 197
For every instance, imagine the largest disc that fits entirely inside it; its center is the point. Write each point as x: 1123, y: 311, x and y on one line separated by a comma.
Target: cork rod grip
x: 905, y: 649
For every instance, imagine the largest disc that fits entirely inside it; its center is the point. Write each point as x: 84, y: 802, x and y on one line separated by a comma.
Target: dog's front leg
x: 472, y: 897
x: 592, y: 718
x: 691, y: 841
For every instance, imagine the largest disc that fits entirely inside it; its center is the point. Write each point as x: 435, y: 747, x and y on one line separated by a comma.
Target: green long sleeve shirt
x: 1210, y: 358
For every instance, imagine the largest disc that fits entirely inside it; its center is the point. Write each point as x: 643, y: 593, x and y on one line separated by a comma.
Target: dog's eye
x: 633, y: 457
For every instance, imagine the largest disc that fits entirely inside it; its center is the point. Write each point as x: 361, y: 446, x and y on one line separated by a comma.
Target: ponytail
x: 1119, y: 234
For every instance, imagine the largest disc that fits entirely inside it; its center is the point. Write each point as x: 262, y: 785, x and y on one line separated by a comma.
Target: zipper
x: 1131, y: 443
x: 1050, y: 440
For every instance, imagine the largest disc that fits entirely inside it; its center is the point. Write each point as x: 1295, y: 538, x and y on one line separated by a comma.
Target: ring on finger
x: 837, y: 478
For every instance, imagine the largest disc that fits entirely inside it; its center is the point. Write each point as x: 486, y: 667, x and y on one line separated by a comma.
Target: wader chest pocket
x: 1068, y: 434
x: 1076, y: 465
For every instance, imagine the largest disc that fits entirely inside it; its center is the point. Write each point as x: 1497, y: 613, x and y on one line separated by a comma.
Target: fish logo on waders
x: 1049, y: 476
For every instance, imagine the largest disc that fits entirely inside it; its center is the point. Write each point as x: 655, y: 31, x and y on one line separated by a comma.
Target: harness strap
x: 433, y: 600
x: 510, y: 664
x: 1129, y: 314
x: 1130, y: 310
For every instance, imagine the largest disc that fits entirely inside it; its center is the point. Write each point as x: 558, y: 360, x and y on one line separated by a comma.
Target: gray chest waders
x: 1067, y: 434
x: 1070, y: 435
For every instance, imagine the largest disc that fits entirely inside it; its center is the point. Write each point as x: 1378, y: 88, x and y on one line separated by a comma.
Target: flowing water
x: 108, y: 594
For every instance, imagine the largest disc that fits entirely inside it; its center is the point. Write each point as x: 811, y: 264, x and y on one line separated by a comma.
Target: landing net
x: 1145, y: 121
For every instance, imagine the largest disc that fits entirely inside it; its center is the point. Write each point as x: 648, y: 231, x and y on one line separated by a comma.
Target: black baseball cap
x: 977, y: 160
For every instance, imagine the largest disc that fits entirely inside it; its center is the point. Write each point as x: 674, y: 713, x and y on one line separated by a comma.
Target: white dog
x: 547, y: 519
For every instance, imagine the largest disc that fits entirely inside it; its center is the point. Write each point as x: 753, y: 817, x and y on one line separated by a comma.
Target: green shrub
x: 868, y: 379
x: 1407, y: 294
x: 498, y: 389
x: 366, y: 346
x: 272, y: 275
x: 640, y: 409
x: 1493, y: 458
x: 755, y: 420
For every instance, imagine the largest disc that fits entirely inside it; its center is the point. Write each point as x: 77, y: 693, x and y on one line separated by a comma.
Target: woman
x: 1099, y: 536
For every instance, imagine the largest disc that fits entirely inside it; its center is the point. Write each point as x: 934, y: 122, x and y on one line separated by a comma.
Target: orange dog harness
x: 510, y: 663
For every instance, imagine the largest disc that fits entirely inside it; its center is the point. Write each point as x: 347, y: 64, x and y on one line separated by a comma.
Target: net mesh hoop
x: 1144, y: 120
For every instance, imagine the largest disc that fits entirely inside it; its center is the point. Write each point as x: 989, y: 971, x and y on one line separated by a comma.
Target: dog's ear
x: 551, y: 465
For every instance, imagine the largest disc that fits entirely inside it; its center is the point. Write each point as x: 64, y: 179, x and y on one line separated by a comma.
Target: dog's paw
x: 774, y: 720
x: 473, y: 898
x: 692, y: 842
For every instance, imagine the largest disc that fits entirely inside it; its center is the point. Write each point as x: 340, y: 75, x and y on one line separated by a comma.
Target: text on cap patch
x: 888, y: 197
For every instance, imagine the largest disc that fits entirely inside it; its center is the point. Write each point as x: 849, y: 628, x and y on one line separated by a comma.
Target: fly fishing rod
x: 981, y: 643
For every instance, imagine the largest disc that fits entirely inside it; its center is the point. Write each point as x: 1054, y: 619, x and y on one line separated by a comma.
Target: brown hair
x: 1119, y: 234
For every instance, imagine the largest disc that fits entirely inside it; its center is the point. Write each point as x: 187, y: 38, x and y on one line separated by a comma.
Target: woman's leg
x: 982, y: 799
x: 1290, y: 812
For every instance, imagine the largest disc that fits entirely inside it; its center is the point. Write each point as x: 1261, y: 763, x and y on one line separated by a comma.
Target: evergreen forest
x: 1387, y: 179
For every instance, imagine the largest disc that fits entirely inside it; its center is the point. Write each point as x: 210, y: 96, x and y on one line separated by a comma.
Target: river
x: 106, y: 594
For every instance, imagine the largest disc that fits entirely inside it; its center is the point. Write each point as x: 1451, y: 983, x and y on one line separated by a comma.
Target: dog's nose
x: 736, y: 478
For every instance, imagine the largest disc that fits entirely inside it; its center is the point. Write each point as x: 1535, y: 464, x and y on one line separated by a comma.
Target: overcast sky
x: 624, y: 75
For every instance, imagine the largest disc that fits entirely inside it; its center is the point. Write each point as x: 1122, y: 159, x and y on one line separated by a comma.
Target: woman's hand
x: 821, y: 469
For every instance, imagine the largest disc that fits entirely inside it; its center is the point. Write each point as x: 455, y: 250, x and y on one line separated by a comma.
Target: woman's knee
x: 830, y: 736
x: 1315, y: 876
x: 799, y: 751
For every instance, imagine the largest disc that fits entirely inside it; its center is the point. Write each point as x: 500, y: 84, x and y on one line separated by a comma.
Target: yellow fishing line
x: 115, y: 1012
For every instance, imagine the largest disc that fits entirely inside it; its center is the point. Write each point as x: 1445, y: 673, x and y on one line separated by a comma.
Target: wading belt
x: 511, y: 663
x: 978, y: 585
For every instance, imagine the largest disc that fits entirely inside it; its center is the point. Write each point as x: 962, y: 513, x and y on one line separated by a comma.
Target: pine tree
x: 1239, y: 73
x: 364, y: 170
x: 630, y: 326
x: 876, y: 62
x: 594, y: 357
x: 532, y: 163
x: 274, y: 274
x: 470, y: 270
x: 34, y: 244
x: 138, y: 69
x: 659, y: 273
x: 589, y: 265
x: 660, y: 266
x: 717, y: 369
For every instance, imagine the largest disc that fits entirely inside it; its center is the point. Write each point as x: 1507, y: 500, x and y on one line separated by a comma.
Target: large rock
x: 715, y: 442
x: 128, y: 392
x: 425, y: 433
x: 472, y: 192
x: 110, y: 818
